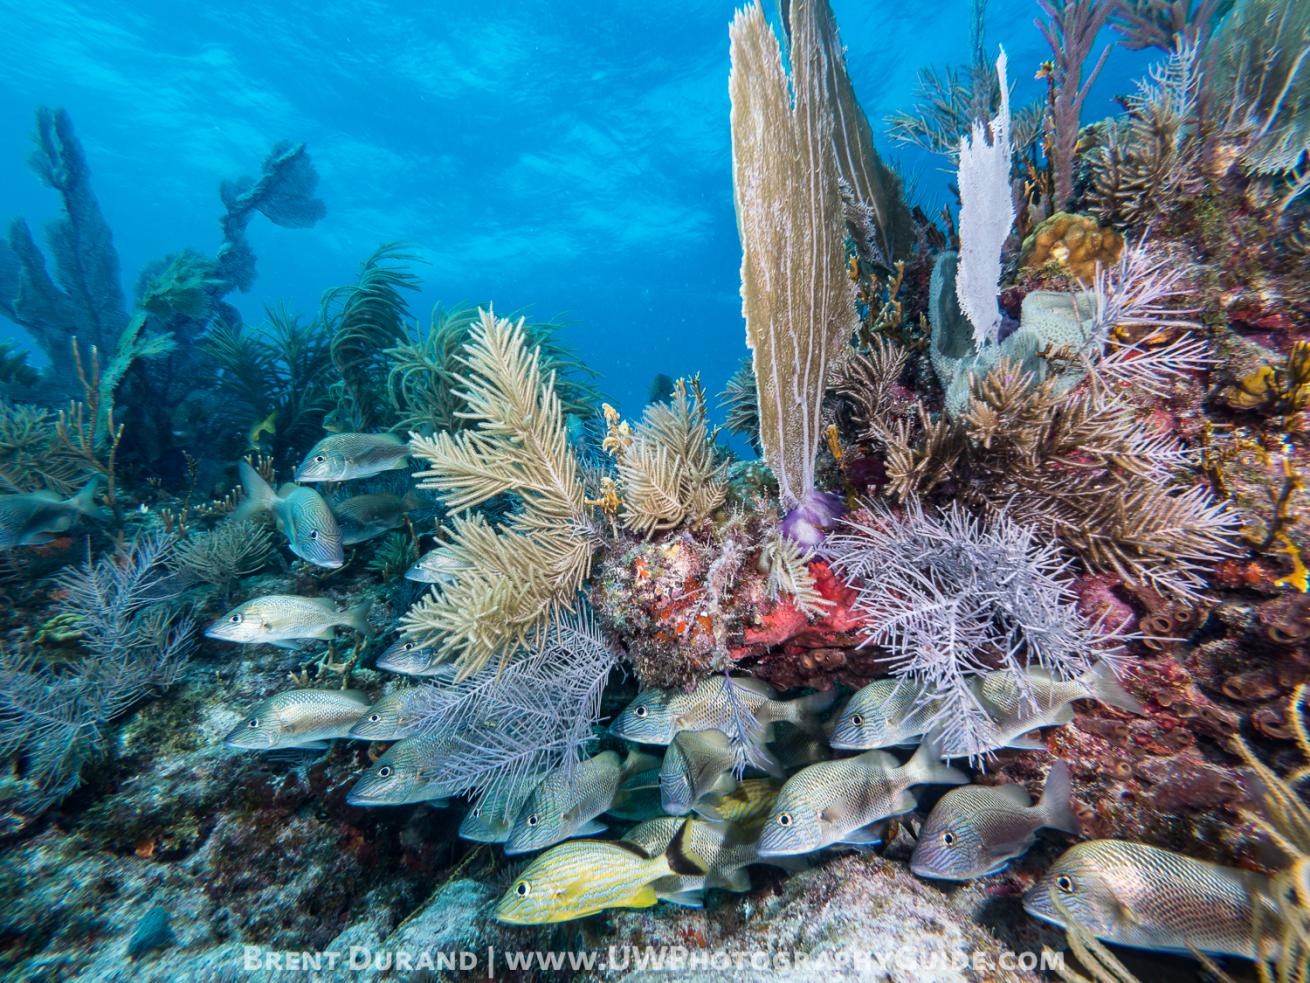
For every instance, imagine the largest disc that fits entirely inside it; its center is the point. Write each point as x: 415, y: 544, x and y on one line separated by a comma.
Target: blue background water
x: 568, y: 157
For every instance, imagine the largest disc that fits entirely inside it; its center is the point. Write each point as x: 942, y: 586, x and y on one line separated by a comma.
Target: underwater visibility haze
x: 800, y: 491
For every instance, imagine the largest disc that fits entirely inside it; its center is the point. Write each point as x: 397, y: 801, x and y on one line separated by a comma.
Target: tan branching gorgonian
x: 32, y: 457
x: 1078, y: 465
x: 515, y: 579
x: 668, y: 472
x: 789, y: 574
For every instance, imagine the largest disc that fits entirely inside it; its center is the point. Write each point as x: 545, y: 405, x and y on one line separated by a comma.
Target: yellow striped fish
x: 1141, y: 896
x: 582, y: 877
x: 751, y: 799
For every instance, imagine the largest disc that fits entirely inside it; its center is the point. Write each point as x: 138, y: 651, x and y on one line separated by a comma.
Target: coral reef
x: 1075, y: 243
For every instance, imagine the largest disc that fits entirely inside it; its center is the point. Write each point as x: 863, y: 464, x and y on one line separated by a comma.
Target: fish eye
x: 319, y: 458
x: 384, y: 771
x: 523, y: 889
x: 533, y: 820
x: 1065, y: 883
x: 948, y: 838
x: 235, y: 619
x: 254, y: 722
x: 641, y: 712
x: 407, y: 647
x: 857, y: 720
x: 784, y: 819
x: 313, y: 534
x: 373, y: 718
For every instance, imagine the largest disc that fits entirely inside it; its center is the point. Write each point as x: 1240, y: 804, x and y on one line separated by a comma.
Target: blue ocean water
x: 572, y: 159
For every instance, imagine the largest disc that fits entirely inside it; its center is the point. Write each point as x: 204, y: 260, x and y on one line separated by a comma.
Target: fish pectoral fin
x: 312, y: 745
x: 592, y: 827
x: 905, y: 802
x: 290, y: 644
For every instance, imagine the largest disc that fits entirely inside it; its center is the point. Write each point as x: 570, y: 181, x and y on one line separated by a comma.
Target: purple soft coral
x: 808, y: 523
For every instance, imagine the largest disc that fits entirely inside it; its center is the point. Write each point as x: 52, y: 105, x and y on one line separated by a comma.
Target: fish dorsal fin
x: 753, y: 685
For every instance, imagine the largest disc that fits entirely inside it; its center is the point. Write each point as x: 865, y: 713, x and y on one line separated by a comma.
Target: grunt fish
x: 392, y: 717
x: 724, y: 850
x: 299, y: 718
x: 656, y: 715
x: 366, y: 517
x: 978, y: 829
x: 301, y: 515
x: 1003, y: 693
x: 753, y: 798
x: 1141, y: 896
x: 409, y: 658
x: 491, y: 817
x: 411, y: 770
x: 35, y: 518
x: 436, y: 566
x: 701, y: 763
x: 843, y: 801
x: 582, y: 877
x: 282, y: 618
x: 560, y: 809
x: 886, y: 713
x: 346, y: 456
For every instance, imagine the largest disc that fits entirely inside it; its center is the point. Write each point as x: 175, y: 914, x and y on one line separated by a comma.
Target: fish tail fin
x: 635, y: 762
x: 926, y: 766
x: 805, y: 711
x: 259, y: 494
x: 1057, y: 803
x: 358, y: 617
x: 85, y: 499
x: 1103, y: 685
x: 411, y: 501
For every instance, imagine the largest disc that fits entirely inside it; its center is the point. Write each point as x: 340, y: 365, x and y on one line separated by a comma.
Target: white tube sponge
x: 986, y: 214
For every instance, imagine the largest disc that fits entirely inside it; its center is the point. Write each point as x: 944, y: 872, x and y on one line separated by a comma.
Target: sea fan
x: 532, y: 716
x: 951, y: 597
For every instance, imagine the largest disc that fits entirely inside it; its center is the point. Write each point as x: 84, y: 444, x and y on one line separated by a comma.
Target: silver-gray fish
x: 886, y: 713
x: 701, y: 764
x: 282, y: 618
x: 560, y: 809
x: 35, y: 518
x: 411, y: 770
x: 301, y: 514
x: 1002, y: 693
x: 437, y: 566
x: 843, y: 801
x: 346, y: 456
x: 656, y: 715
x: 978, y: 829
x: 395, y: 715
x: 366, y: 517
x: 409, y: 658
x: 299, y: 718
x: 491, y: 817
x: 1148, y: 898
x: 724, y: 850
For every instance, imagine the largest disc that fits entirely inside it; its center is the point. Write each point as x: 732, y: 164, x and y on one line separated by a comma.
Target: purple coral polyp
x: 808, y: 524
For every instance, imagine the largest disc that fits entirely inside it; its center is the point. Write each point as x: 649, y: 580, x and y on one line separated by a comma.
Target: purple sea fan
x: 952, y: 597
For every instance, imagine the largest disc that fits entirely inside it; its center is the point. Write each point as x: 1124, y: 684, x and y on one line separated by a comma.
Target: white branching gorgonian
x: 528, y: 718
x: 951, y: 598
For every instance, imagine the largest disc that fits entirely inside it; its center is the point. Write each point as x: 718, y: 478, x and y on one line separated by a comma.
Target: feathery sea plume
x: 951, y: 597
x: 515, y: 579
x: 532, y: 716
x: 796, y: 296
x: 668, y: 470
